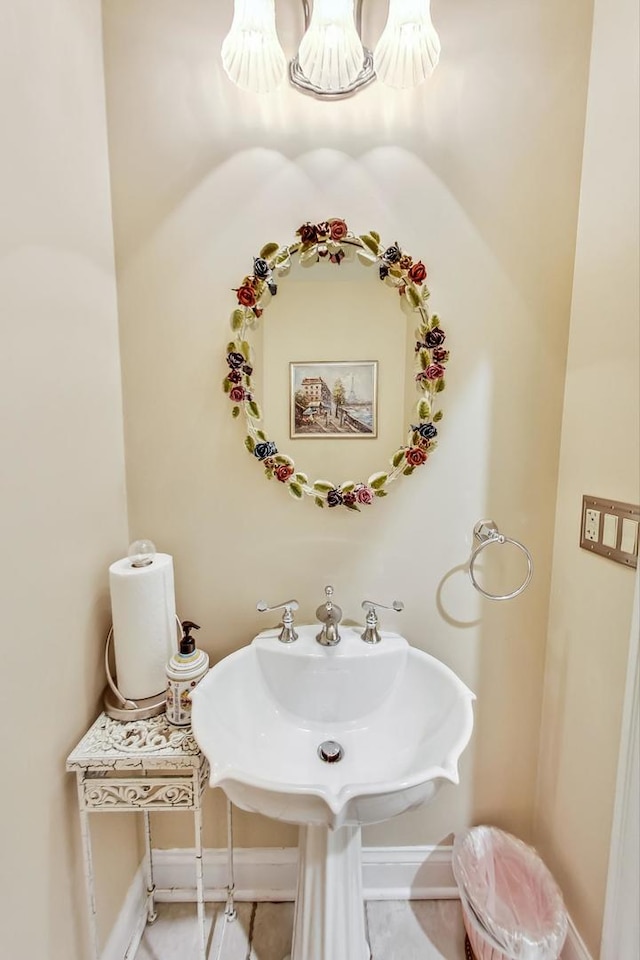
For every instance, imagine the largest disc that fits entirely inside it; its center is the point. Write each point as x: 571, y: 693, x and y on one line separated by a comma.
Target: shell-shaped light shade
x: 251, y: 52
x: 331, y: 54
x: 409, y: 48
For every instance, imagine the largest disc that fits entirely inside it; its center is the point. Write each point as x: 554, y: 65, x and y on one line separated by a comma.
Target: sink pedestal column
x: 329, y: 915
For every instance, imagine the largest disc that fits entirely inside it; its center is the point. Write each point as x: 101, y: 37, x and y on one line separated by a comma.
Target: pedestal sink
x: 331, y: 738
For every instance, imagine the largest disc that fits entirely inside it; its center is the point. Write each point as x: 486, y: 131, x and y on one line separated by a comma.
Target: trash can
x: 511, y: 906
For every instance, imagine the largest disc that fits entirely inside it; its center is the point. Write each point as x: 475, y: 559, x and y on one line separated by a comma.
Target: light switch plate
x: 610, y: 528
x: 629, y: 538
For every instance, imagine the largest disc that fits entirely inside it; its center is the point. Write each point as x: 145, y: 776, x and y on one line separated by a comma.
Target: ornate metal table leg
x: 197, y: 813
x: 88, y: 870
x: 148, y: 861
x: 230, y: 909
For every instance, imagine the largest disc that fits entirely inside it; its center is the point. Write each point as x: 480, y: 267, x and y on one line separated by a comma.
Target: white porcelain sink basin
x: 402, y: 718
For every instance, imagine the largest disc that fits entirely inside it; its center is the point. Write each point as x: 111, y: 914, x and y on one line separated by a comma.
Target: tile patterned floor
x: 398, y: 930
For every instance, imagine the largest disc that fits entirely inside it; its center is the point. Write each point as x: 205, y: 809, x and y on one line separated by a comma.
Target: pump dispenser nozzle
x: 187, y: 643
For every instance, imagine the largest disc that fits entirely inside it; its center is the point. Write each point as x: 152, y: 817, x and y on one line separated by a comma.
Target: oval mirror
x: 344, y: 348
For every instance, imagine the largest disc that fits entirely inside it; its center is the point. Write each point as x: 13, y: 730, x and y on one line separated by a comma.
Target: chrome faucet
x: 371, y: 634
x: 287, y: 633
x: 329, y: 615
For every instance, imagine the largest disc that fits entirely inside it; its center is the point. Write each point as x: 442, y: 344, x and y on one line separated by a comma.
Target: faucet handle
x: 287, y: 634
x: 261, y: 605
x: 371, y: 634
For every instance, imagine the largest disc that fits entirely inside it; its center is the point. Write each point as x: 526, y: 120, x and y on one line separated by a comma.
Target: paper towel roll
x: 143, y: 609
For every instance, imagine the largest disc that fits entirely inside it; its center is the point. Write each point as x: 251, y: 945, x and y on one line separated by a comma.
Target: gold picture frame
x: 333, y: 399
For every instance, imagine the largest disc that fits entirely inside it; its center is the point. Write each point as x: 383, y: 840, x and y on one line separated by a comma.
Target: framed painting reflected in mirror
x: 334, y: 399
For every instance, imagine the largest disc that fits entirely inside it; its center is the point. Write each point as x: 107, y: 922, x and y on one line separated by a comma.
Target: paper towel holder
x: 119, y: 707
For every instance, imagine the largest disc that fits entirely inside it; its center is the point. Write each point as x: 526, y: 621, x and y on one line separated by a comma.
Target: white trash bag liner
x: 511, y: 892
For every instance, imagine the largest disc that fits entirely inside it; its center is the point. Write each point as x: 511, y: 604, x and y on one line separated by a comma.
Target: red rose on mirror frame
x: 418, y: 272
x: 283, y: 472
x: 339, y: 230
x: 246, y: 295
x: 416, y: 456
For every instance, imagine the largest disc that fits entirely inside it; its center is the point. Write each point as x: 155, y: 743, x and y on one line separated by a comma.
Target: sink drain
x: 330, y: 751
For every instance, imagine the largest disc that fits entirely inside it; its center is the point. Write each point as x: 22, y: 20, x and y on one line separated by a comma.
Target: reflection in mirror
x: 338, y: 313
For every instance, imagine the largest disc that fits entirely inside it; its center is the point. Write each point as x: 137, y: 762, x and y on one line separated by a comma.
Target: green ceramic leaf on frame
x: 381, y: 493
x: 434, y: 322
x: 371, y: 243
x: 283, y: 458
x: 237, y: 319
x: 424, y: 409
x: 235, y: 412
x: 412, y: 296
x: 439, y: 386
x: 377, y: 480
x: 323, y: 486
x: 254, y: 410
x: 425, y: 359
x: 347, y: 486
x: 301, y: 478
x: 398, y: 457
x: 437, y: 416
x: 268, y: 250
x: 261, y: 435
x: 249, y: 444
x: 352, y: 506
x: 231, y: 346
x: 226, y: 385
x: 295, y: 490
x: 408, y: 470
x: 319, y: 502
x: 376, y: 236
x: 245, y: 349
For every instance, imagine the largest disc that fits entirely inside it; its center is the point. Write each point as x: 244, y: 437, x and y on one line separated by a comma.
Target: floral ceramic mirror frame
x: 397, y: 270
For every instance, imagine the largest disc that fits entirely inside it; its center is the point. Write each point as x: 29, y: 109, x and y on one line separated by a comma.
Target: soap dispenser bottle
x: 184, y: 670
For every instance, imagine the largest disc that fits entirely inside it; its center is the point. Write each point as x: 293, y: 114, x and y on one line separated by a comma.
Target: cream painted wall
x: 478, y: 175
x: 591, y: 598
x: 62, y: 483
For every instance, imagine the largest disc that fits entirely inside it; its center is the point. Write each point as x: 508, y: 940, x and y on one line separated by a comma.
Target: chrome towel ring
x: 486, y: 532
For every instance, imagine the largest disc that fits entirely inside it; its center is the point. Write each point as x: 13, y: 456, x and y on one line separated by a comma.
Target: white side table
x: 139, y: 765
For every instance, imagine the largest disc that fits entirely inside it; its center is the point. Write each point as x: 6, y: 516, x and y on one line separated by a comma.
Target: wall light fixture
x: 331, y: 61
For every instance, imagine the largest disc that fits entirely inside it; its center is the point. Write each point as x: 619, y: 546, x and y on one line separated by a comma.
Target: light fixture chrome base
x: 366, y: 76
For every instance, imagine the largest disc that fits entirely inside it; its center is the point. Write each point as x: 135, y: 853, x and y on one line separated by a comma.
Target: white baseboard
x: 128, y: 929
x: 269, y: 874
x: 574, y: 947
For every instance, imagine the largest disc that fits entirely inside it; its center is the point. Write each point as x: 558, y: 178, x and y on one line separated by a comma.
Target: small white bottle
x: 185, y: 669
